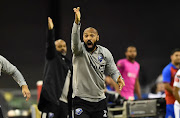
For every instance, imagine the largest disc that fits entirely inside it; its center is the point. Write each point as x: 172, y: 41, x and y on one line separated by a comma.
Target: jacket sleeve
x: 10, y: 69
x: 76, y: 45
x: 50, y: 46
x: 111, y: 68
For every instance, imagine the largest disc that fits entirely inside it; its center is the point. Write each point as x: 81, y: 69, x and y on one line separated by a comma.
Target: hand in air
x: 77, y: 15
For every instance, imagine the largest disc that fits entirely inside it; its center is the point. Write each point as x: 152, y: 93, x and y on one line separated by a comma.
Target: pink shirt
x: 130, y: 72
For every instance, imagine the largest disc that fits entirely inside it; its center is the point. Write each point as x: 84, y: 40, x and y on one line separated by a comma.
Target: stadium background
x: 153, y: 27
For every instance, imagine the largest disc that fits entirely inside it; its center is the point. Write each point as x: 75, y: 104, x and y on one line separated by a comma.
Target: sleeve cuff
x: 22, y: 83
x: 166, y: 82
x: 76, y: 27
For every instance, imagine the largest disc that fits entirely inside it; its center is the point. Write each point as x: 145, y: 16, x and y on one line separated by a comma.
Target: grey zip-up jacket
x: 89, y: 70
x: 7, y: 67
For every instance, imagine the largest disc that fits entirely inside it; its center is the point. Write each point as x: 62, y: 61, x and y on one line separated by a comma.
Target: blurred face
x: 131, y: 53
x: 160, y: 87
x: 61, y: 46
x: 90, y: 37
x: 175, y: 58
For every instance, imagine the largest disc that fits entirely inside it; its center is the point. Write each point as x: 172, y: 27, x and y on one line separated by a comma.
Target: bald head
x: 90, y: 38
x: 91, y: 30
x: 61, y: 46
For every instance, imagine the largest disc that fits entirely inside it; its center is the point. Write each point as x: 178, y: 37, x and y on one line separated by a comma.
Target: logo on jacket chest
x: 98, y: 62
x: 100, y: 58
x: 101, y: 64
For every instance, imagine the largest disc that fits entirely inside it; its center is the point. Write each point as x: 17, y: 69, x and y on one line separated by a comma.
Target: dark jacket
x: 56, y: 69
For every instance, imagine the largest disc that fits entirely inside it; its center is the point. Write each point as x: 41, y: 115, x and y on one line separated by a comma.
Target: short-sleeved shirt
x: 130, y: 72
x: 168, y: 77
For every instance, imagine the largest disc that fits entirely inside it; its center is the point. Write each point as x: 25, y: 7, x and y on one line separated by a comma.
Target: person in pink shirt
x: 129, y: 69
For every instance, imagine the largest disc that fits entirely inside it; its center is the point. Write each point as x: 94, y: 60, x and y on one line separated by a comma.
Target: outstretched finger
x: 120, y: 87
x: 78, y: 8
x: 24, y: 93
x: 75, y: 10
x: 49, y: 19
x: 122, y: 81
x: 28, y: 96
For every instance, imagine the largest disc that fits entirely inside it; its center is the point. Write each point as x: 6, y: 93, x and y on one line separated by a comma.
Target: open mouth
x: 89, y: 44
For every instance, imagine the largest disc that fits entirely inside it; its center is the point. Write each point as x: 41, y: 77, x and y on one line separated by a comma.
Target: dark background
x: 153, y: 27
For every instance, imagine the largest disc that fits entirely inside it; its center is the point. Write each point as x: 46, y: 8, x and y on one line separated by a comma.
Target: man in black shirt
x: 57, y: 78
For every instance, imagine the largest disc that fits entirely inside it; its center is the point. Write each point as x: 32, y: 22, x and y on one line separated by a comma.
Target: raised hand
x: 50, y: 24
x: 77, y: 15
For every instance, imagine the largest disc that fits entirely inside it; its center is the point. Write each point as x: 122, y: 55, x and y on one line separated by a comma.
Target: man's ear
x: 171, y: 57
x: 125, y: 53
x: 97, y: 37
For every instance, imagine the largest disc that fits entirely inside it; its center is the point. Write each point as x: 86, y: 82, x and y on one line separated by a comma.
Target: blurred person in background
x: 157, y: 90
x: 55, y: 94
x: 168, y: 74
x: 129, y: 69
x: 176, y: 93
x: 8, y: 68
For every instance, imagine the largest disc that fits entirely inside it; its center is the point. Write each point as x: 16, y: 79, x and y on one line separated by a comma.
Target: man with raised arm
x: 55, y: 99
x: 91, y: 62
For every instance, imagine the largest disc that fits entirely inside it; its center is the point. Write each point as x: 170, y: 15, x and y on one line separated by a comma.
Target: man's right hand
x: 26, y: 92
x: 50, y: 24
x: 77, y: 15
x: 120, y: 82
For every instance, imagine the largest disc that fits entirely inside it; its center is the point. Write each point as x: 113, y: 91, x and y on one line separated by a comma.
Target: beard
x: 177, y: 62
x: 132, y: 57
x: 61, y: 53
x: 90, y: 49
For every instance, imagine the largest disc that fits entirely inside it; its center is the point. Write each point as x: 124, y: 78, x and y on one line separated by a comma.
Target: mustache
x: 89, y: 42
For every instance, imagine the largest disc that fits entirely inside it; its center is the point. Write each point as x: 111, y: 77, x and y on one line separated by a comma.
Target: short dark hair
x: 175, y: 50
x: 154, y: 88
x: 130, y: 46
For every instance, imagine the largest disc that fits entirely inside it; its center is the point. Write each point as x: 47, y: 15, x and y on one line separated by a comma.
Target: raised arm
x: 75, y: 35
x: 50, y: 52
x: 77, y: 15
x: 10, y: 69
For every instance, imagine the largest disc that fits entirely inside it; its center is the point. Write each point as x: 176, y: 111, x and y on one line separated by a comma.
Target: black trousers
x: 60, y: 111
x: 1, y: 114
x: 86, y: 109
